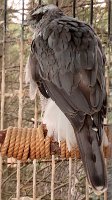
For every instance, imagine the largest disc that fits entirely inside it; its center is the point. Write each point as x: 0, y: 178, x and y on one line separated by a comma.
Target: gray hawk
x: 68, y: 63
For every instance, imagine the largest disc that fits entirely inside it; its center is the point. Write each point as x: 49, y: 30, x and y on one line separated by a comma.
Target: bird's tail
x: 92, y: 158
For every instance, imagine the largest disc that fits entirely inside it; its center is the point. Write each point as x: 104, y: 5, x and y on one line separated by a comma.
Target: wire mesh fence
x: 15, y: 39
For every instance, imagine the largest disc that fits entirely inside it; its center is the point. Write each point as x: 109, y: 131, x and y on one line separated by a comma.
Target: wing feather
x: 70, y: 55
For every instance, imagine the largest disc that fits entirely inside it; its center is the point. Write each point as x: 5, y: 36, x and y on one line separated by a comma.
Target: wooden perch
x: 33, y: 143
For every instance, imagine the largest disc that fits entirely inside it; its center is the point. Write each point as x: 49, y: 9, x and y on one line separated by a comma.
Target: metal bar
x: 74, y: 8
x: 91, y: 12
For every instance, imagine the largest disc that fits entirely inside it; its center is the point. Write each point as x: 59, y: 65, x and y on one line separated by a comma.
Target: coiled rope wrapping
x: 24, y: 143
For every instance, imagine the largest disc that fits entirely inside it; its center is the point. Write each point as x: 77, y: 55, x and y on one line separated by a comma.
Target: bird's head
x: 38, y: 12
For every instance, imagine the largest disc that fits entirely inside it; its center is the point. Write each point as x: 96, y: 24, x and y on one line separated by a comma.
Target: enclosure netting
x: 15, y: 43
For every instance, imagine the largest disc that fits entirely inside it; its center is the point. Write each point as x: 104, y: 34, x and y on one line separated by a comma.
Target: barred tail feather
x: 92, y: 158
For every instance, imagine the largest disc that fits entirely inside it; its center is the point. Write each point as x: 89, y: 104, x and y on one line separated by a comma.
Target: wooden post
x: 34, y: 162
x: 0, y: 177
x: 87, y: 190
x: 107, y: 71
x: 34, y: 179
x: 53, y: 177
x: 3, y: 85
x: 3, y: 68
x: 107, y: 89
x: 74, y: 174
x: 18, y: 181
x: 20, y: 96
x: 70, y: 178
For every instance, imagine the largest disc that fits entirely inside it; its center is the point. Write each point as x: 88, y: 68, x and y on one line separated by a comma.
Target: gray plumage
x: 69, y: 65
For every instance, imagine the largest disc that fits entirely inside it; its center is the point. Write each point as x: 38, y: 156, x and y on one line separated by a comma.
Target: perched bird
x: 67, y: 63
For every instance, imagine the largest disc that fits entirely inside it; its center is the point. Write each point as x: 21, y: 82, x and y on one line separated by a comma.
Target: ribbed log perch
x: 33, y: 143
